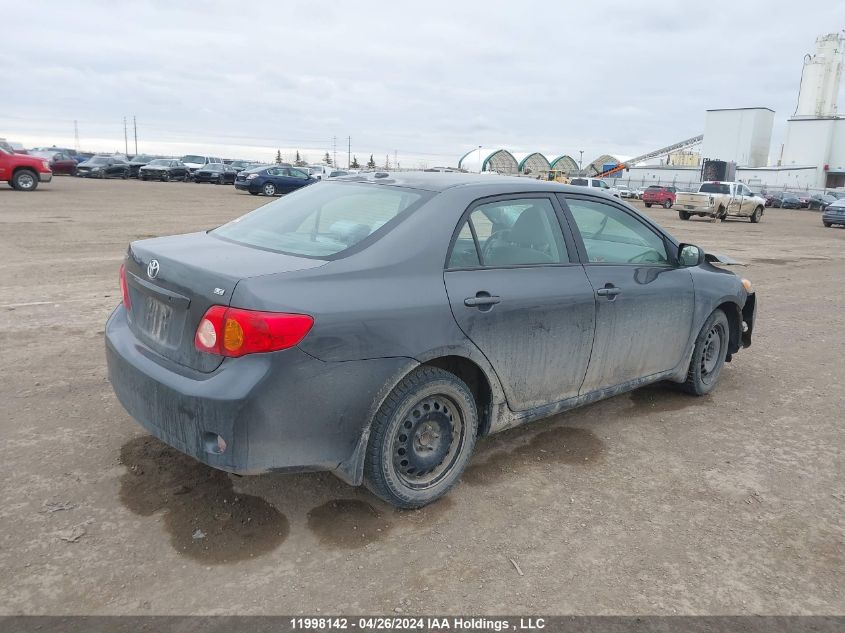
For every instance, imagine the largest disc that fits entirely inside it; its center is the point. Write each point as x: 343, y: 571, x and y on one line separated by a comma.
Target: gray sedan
x: 834, y: 213
x: 374, y: 326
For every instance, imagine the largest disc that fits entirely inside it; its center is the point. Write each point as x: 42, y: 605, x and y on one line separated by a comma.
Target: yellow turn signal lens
x: 747, y: 285
x: 233, y: 335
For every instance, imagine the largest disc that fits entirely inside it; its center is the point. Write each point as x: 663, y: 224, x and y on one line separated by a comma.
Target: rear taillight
x: 236, y: 332
x: 124, y: 289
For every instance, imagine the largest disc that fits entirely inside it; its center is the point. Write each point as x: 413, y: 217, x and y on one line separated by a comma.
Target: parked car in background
x: 624, y: 192
x: 240, y: 165
x: 319, y: 172
x: 834, y: 213
x: 821, y: 200
x: 803, y: 197
x: 839, y: 195
x: 21, y: 171
x: 375, y: 328
x: 638, y: 193
x: 790, y: 201
x: 103, y: 167
x: 273, y: 180
x: 596, y: 183
x: 139, y: 161
x: 772, y: 199
x: 194, y: 162
x: 719, y: 200
x: 60, y: 163
x: 218, y: 173
x: 164, y: 169
x: 338, y: 173
x: 660, y: 195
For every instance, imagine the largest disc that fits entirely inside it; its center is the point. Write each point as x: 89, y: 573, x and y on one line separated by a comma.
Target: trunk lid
x: 192, y: 273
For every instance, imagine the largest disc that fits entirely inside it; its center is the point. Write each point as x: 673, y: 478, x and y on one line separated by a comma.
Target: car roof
x: 441, y: 181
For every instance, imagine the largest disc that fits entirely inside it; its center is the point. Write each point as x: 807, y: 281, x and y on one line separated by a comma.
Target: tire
x: 220, y: 180
x: 25, y: 180
x: 186, y: 178
x: 165, y: 177
x: 827, y: 224
x: 757, y: 215
x: 708, y: 355
x: 647, y: 205
x: 125, y: 175
x: 683, y: 215
x: 269, y: 189
x: 409, y: 434
x: 667, y: 204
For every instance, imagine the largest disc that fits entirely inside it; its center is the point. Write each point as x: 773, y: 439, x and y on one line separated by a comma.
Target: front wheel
x: 683, y: 215
x: 25, y: 180
x: 667, y: 204
x: 165, y: 177
x: 708, y: 355
x: 421, y: 439
x: 827, y: 224
x: 757, y: 215
x: 269, y: 189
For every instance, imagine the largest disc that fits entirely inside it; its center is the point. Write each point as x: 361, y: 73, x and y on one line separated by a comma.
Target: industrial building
x: 811, y: 157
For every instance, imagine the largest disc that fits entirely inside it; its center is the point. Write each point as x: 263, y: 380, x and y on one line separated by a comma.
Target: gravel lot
x: 652, y: 502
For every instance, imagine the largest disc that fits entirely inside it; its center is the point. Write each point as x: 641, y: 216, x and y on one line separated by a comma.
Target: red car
x: 657, y: 194
x: 22, y: 172
x: 60, y: 163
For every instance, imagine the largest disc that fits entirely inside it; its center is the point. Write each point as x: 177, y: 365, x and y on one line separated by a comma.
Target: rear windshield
x: 160, y: 161
x: 324, y: 220
x: 581, y: 182
x: 715, y: 187
x: 190, y: 158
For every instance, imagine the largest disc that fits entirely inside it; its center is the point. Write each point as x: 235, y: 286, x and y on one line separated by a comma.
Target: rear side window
x: 515, y: 232
x: 324, y: 220
x: 581, y: 182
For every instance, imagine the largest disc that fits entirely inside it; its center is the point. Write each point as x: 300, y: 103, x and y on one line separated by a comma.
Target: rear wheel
x: 648, y: 205
x: 755, y: 217
x: 667, y: 204
x: 25, y: 180
x: 269, y: 189
x: 165, y: 177
x: 683, y: 215
x: 421, y: 439
x: 221, y: 180
x: 708, y: 355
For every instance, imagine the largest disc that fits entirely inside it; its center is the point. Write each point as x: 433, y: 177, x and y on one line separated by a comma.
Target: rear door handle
x: 481, y: 300
x: 609, y: 291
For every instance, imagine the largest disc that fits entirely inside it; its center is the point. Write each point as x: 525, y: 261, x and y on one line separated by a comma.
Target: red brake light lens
x: 235, y: 332
x: 124, y: 289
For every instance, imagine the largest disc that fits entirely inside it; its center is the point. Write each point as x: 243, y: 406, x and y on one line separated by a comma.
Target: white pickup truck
x: 719, y: 200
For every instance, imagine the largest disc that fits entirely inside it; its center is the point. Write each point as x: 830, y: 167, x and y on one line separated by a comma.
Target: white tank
x: 820, y: 78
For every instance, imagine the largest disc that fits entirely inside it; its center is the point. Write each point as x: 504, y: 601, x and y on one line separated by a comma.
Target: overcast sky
x: 429, y: 80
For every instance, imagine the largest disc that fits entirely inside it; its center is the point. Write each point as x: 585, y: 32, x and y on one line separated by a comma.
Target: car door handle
x: 609, y: 291
x: 481, y: 300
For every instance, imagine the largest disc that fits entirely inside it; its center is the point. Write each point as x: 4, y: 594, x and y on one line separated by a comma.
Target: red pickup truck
x: 21, y: 171
x: 657, y: 194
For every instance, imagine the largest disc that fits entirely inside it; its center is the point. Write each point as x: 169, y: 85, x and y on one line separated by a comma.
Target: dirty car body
x: 492, y: 301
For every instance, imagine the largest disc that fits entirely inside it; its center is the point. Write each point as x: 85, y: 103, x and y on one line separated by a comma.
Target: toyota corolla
x: 374, y: 326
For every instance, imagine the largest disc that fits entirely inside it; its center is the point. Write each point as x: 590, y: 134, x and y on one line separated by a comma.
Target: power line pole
x: 135, y: 128
x: 348, y: 152
x: 334, y: 151
x: 395, y: 159
x: 76, y: 135
x: 125, y: 137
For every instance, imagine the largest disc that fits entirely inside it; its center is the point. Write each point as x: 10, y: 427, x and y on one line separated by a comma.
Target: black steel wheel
x: 683, y: 215
x: 708, y: 355
x: 421, y: 439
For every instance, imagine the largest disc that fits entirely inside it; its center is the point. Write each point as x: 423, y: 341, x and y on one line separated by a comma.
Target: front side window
x: 602, y: 184
x: 515, y: 232
x: 324, y: 221
x: 614, y: 236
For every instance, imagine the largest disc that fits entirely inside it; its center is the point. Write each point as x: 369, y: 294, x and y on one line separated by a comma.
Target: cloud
x: 426, y: 80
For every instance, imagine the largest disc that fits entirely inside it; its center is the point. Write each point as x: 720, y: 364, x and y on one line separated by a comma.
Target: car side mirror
x: 690, y: 255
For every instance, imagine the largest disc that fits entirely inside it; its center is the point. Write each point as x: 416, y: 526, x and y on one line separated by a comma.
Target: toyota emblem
x: 152, y: 269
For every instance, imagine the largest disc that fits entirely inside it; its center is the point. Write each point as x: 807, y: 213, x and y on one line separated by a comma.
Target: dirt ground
x: 652, y: 502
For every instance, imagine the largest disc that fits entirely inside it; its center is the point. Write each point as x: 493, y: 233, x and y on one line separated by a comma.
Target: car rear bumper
x: 693, y: 209
x: 285, y: 411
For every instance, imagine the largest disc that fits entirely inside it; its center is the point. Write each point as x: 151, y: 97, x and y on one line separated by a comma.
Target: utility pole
x: 580, y: 161
x: 76, y: 135
x: 135, y: 128
x: 348, y: 152
x: 125, y: 137
x: 334, y: 151
x: 395, y: 159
